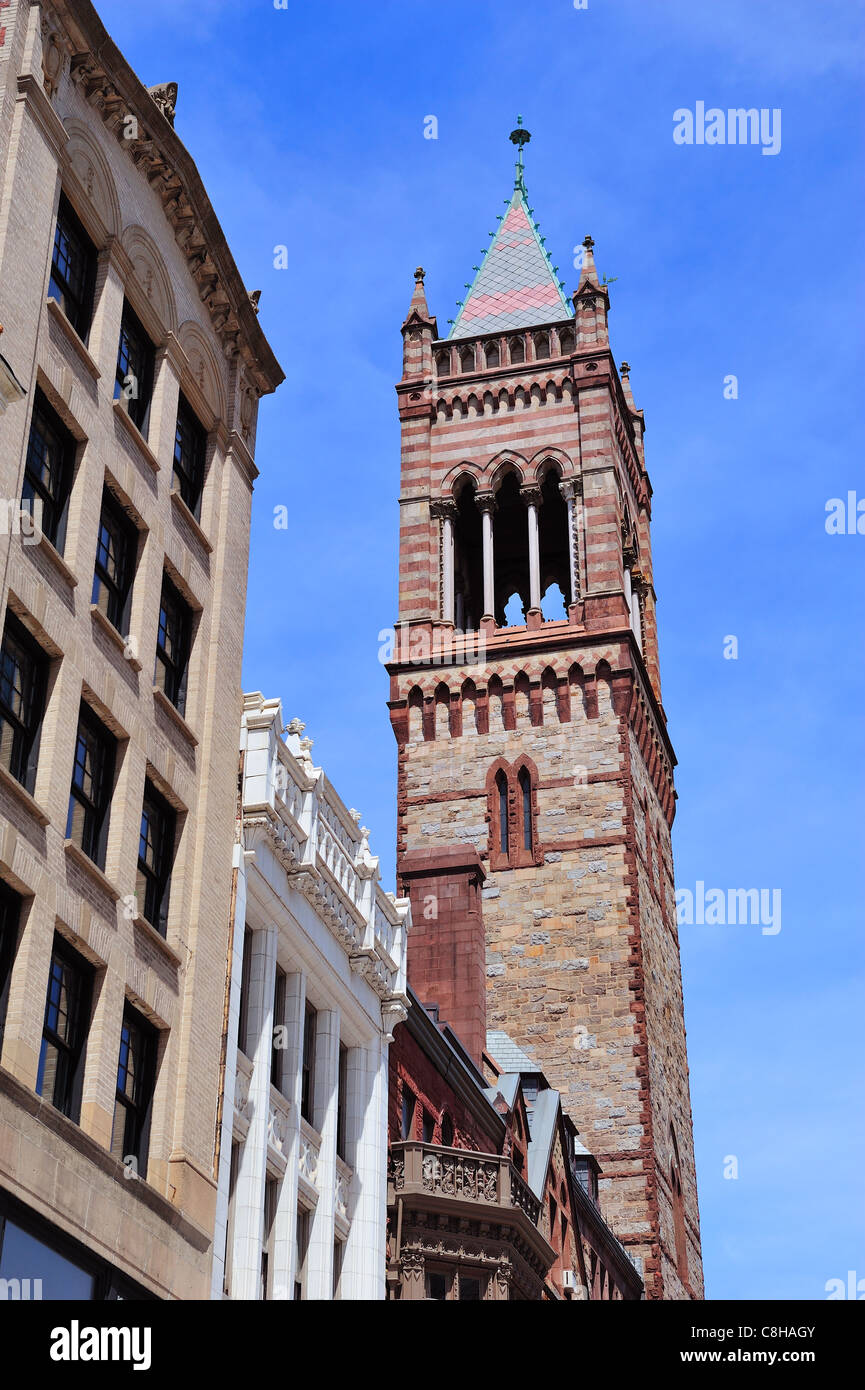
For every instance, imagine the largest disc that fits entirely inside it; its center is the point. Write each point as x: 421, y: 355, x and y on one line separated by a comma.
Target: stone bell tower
x: 526, y: 703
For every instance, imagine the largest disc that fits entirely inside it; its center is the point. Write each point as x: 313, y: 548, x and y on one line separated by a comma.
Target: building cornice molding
x: 108, y: 84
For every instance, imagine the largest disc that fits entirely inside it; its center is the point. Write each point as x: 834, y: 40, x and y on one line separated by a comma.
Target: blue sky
x: 307, y: 127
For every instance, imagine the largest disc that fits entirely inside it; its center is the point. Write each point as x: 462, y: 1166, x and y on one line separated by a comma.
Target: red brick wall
x: 446, y: 947
x: 410, y: 1066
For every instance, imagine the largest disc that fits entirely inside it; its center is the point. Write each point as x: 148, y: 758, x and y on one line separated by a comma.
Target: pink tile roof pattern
x: 515, y: 286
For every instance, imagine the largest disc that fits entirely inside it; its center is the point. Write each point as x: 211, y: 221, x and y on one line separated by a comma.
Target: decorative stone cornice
x: 111, y: 88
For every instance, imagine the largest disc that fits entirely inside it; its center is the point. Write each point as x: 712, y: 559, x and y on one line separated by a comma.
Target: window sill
x: 111, y: 632
x: 190, y: 520
x: 77, y: 855
x: 160, y: 698
x: 136, y: 436
x: 53, y: 555
x: 22, y: 795
x: 149, y: 931
x: 57, y: 314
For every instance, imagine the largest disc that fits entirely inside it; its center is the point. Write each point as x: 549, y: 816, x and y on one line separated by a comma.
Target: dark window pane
x: 48, y: 470
x: 23, y: 677
x: 190, y: 447
x: 10, y: 917
x: 470, y: 1290
x: 173, y: 645
x: 73, y: 269
x: 436, y: 1287
x: 526, y: 789
x: 133, y: 382
x: 64, y: 1032
x: 92, y: 785
x: 155, y: 857
x: 307, y: 1093
x: 136, y: 1074
x: 116, y: 549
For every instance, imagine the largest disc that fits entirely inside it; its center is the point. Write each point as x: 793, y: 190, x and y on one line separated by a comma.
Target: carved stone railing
x: 242, y: 1103
x: 291, y: 811
x: 277, y: 1125
x: 341, y: 1190
x: 307, y: 1162
x: 460, y: 1175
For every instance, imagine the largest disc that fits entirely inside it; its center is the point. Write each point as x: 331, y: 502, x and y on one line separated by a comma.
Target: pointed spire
x: 625, y: 374
x: 587, y: 269
x: 418, y: 309
x: 516, y: 285
x: 519, y: 137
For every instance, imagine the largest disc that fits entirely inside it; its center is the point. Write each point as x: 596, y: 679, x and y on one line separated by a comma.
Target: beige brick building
x: 133, y: 363
x: 540, y: 738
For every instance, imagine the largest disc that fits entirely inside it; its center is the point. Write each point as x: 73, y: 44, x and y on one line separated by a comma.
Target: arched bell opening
x: 468, y: 559
x: 553, y: 548
x: 511, y: 553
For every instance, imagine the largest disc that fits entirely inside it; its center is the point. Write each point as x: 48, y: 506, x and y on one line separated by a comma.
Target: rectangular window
x: 338, y: 1252
x: 470, y: 1290
x: 342, y: 1102
x: 64, y: 1033
x: 245, y: 977
x: 116, y: 553
x: 92, y: 785
x: 173, y: 642
x: 271, y: 1197
x: 190, y: 452
x: 23, y: 683
x: 10, y: 917
x: 307, y: 1089
x: 438, y: 1285
x: 155, y: 858
x: 277, y: 1051
x: 408, y: 1105
x: 48, y: 470
x: 73, y: 269
x: 302, y: 1253
x: 133, y: 382
x: 136, y: 1078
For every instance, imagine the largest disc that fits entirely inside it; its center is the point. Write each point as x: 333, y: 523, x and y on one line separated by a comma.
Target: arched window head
x: 525, y: 784
x: 542, y: 345
x: 502, y: 795
x: 566, y: 340
x: 517, y: 350
x: 491, y: 354
x: 447, y: 1131
x: 467, y: 360
x: 443, y: 363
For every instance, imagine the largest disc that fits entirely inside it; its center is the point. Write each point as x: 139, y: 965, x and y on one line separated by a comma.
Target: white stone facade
x: 313, y: 930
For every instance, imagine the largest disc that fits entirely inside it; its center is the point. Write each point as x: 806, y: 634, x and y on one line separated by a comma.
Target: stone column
x: 567, y: 491
x: 486, y: 504
x: 532, y: 498
x: 446, y: 511
x: 363, y: 1270
x: 249, y: 1192
x: 285, y: 1224
x: 325, y: 1097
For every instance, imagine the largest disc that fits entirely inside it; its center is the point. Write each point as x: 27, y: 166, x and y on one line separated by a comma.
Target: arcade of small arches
x: 505, y: 351
x: 506, y: 550
x: 520, y: 703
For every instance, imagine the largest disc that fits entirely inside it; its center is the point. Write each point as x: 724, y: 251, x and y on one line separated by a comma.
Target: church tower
x: 535, y: 781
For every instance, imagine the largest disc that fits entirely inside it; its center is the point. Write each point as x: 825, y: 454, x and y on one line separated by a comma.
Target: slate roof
x: 516, y: 286
x: 506, y: 1055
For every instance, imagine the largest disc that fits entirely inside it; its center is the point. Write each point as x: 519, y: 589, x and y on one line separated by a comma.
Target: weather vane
x: 519, y: 137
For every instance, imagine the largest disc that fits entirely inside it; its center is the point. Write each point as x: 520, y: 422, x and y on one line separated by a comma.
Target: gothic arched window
x: 511, y: 815
x: 525, y: 782
x: 491, y: 354
x: 678, y: 1201
x: 502, y: 795
x: 517, y: 351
